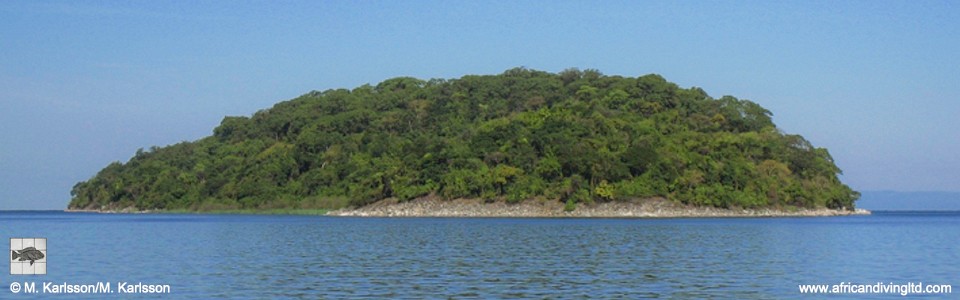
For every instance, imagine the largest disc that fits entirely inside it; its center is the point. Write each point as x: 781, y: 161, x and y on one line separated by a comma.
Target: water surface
x: 251, y: 256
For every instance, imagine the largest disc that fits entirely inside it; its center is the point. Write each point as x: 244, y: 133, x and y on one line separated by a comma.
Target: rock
x: 645, y: 208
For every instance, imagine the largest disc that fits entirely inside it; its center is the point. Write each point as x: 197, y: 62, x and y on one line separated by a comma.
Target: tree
x: 575, y: 137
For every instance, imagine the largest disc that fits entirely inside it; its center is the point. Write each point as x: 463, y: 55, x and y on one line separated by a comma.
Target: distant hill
x: 889, y: 200
x: 574, y: 136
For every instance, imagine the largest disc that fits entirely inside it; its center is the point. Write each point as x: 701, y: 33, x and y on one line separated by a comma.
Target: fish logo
x: 28, y: 253
x: 28, y: 256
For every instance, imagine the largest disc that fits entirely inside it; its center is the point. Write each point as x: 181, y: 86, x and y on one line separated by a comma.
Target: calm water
x: 240, y: 256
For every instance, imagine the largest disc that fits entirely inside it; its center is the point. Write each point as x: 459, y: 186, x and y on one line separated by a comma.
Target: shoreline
x: 432, y: 206
x: 290, y: 212
x: 101, y: 211
x: 642, y: 208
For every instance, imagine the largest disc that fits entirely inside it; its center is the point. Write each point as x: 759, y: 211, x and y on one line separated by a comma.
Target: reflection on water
x: 235, y: 256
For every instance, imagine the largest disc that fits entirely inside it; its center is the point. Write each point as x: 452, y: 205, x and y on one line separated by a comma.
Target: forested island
x: 569, y: 139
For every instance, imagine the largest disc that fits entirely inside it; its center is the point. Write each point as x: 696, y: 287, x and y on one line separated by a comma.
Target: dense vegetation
x: 576, y: 136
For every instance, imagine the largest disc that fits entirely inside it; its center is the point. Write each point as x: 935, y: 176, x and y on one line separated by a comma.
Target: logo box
x: 28, y: 256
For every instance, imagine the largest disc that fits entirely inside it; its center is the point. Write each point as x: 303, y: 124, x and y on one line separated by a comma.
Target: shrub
x: 570, y: 206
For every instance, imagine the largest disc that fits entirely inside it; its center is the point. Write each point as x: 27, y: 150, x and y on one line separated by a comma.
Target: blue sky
x: 83, y: 83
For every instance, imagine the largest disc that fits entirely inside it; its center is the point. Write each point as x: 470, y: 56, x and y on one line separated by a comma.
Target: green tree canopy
x: 575, y: 136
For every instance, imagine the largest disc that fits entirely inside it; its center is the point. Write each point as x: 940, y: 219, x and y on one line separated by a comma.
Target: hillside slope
x: 575, y: 136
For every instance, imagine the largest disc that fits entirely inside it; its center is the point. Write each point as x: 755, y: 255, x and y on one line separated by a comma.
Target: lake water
x: 262, y: 257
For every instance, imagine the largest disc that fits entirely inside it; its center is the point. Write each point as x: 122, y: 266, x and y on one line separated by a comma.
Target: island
x: 521, y: 143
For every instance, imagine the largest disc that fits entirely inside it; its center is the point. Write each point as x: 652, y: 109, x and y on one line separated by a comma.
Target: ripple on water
x: 319, y: 257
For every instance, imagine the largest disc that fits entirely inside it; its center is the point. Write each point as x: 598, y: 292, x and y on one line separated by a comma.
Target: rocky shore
x: 644, y: 208
x: 128, y: 210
